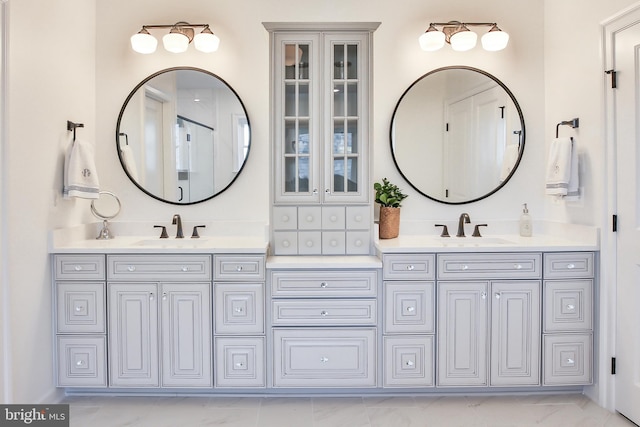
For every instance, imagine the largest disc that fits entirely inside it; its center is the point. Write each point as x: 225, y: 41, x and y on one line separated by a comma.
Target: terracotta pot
x: 389, y: 222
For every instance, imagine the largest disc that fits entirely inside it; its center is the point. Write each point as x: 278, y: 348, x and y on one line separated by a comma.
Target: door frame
x: 605, y: 392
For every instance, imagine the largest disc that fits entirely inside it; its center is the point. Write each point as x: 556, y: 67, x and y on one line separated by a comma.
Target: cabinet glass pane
x: 345, y: 175
x: 338, y: 100
x: 289, y: 136
x: 303, y: 174
x: 352, y: 99
x: 339, y: 144
x: 296, y: 61
x: 290, y: 99
x: 339, y: 62
x: 352, y: 61
x: 303, y: 66
x: 303, y: 136
x: 352, y: 136
x: 352, y: 174
x: 290, y: 174
x: 296, y: 174
x: 303, y: 96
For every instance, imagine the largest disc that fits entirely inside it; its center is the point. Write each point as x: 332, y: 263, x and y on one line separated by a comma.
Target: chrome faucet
x: 178, y: 221
x: 464, y: 219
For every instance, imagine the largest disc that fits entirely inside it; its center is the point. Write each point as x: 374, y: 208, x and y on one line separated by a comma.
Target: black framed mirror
x: 457, y: 135
x: 183, y: 135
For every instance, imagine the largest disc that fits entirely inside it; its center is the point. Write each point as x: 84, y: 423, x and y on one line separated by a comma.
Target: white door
x: 627, y: 379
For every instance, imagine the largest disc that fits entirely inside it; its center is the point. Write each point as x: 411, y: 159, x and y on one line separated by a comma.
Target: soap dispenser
x: 525, y: 222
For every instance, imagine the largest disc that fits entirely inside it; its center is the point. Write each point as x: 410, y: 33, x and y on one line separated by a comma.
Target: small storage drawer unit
x: 323, y: 312
x: 489, y: 266
x: 238, y: 267
x: 568, y: 359
x: 409, y: 266
x: 324, y: 283
x: 79, y: 313
x: 159, y: 267
x: 335, y: 357
x: 239, y: 308
x: 79, y: 267
x: 572, y: 264
x: 239, y: 362
x: 409, y: 307
x: 408, y: 361
x: 568, y: 305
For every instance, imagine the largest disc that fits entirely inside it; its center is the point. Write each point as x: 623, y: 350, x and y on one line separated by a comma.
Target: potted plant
x: 390, y: 197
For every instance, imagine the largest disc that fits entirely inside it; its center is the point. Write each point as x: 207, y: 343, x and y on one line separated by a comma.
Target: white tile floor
x: 422, y: 411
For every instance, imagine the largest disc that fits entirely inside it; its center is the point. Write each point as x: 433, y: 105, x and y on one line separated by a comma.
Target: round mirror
x: 183, y: 135
x: 457, y: 135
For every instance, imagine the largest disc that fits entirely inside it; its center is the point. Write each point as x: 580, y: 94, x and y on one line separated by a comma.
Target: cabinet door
x: 462, y: 333
x: 133, y: 335
x: 296, y: 71
x: 515, y: 333
x: 346, y: 109
x: 186, y: 335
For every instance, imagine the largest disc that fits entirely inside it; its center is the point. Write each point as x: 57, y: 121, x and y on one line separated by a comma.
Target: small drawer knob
x: 358, y: 218
x: 324, y: 359
x: 570, y: 361
x: 324, y: 313
x: 571, y: 307
x: 238, y: 310
x: 131, y: 268
x: 286, y: 244
x: 164, y: 296
x: 410, y: 267
x: 238, y: 268
x: 77, y: 268
x: 309, y: 218
x: 310, y: 243
x: 465, y: 267
x: 409, y: 363
x: 333, y: 218
x: 358, y: 243
x: 517, y: 266
x: 324, y: 284
x: 239, y: 365
x: 483, y: 295
x: 80, y: 363
x: 411, y: 309
x: 333, y: 243
x: 79, y: 308
x: 185, y: 268
x: 285, y: 218
x: 571, y: 266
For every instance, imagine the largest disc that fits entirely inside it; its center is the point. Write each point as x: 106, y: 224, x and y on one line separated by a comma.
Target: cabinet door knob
x: 164, y: 296
x: 310, y: 243
x: 285, y: 218
x: 327, y: 191
x: 358, y: 218
x: 571, y: 266
x: 315, y: 191
x: 324, y: 313
x: 517, y: 266
x: 324, y: 359
x: 239, y: 268
x: 483, y: 295
x: 333, y: 243
x: 151, y: 296
x: 333, y: 218
x: 78, y: 268
x: 309, y: 218
x: 185, y: 268
x: 410, y: 267
x: 131, y: 268
x: 497, y: 295
x: 465, y: 267
x: 324, y: 284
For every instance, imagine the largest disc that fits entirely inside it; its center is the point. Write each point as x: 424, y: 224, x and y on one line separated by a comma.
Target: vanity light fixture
x: 461, y: 39
x: 177, y: 41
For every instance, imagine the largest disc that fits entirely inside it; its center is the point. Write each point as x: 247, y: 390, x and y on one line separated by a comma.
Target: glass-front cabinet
x: 320, y: 137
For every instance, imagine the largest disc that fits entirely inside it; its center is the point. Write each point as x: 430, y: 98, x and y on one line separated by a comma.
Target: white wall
x: 51, y: 80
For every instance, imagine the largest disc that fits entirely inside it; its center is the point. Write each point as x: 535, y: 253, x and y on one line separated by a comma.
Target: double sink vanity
x: 139, y: 314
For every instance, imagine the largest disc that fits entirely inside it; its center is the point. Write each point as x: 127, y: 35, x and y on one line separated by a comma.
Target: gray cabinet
x: 409, y: 320
x: 324, y: 328
x: 489, y: 330
x: 239, y: 318
x: 159, y: 321
x: 568, y: 318
x: 321, y: 77
x: 80, y: 320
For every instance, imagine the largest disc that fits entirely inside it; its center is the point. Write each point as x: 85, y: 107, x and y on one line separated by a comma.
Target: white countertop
x: 241, y: 238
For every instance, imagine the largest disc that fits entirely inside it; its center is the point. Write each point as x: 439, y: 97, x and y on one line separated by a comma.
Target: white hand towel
x: 573, y: 191
x: 80, y: 175
x: 129, y: 161
x: 559, y: 167
x: 509, y: 160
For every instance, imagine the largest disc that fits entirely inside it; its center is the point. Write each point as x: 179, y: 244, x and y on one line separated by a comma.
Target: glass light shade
x: 175, y: 42
x: 206, y: 41
x: 495, y: 40
x: 431, y: 40
x: 463, y: 40
x: 143, y: 42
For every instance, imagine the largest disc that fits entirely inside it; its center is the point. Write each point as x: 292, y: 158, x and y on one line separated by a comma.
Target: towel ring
x: 574, y: 123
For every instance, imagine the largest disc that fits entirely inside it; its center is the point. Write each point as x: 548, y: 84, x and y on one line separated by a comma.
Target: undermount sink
x: 171, y: 242
x: 474, y: 241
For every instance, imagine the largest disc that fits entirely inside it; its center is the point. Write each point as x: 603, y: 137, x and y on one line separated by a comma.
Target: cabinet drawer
x: 333, y: 242
x: 409, y: 307
x: 358, y: 242
x: 489, y: 266
x: 409, y: 266
x: 285, y: 243
x: 242, y: 267
x: 333, y: 218
x: 82, y: 361
x: 239, y: 308
x: 285, y: 218
x: 310, y: 242
x: 567, y: 359
x: 358, y: 217
x: 318, y: 283
x: 79, y: 267
x: 572, y: 264
x: 309, y: 218
x: 324, y: 312
x: 159, y: 267
x: 80, y: 307
x: 408, y: 361
x: 324, y: 357
x: 239, y: 362
x: 568, y: 305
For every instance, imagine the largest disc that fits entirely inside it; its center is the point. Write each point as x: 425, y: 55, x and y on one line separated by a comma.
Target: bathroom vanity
x: 140, y: 315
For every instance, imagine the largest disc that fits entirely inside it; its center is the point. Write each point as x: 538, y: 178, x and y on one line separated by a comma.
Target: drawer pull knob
x: 285, y: 218
x: 239, y: 365
x: 465, y: 267
x: 571, y: 266
x: 185, y: 268
x: 517, y: 266
x: 409, y: 363
x: 238, y: 310
x: 324, y: 359
x: 333, y: 218
x: 78, y: 268
x: 285, y: 244
x: 411, y: 309
x: 358, y: 218
x: 324, y: 313
x: 570, y: 361
x: 358, y: 243
x: 571, y: 307
x: 239, y: 268
x: 131, y: 268
x: 410, y: 267
x: 483, y: 295
x: 324, y: 284
x: 79, y: 308
x: 334, y: 243
x: 80, y: 363
x: 310, y: 243
x: 309, y: 218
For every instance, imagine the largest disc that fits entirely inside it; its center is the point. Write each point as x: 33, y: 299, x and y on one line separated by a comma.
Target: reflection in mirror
x: 457, y: 135
x: 183, y: 135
